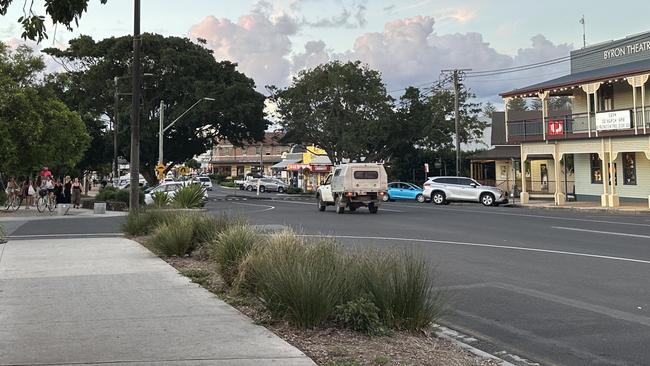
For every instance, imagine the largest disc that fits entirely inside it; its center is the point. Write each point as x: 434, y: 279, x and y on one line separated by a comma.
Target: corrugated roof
x: 623, y: 70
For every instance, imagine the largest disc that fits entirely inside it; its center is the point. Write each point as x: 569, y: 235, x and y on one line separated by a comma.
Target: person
x: 47, y: 187
x: 76, y: 193
x: 27, y: 184
x: 34, y: 197
x: 45, y: 172
x: 58, y: 192
x: 67, y: 188
x: 12, y: 189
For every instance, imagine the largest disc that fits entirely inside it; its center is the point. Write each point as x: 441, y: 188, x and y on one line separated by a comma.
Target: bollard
x: 62, y: 209
x: 99, y: 208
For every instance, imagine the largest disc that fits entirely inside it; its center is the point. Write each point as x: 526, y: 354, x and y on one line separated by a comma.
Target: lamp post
x: 162, y: 130
x: 134, y: 160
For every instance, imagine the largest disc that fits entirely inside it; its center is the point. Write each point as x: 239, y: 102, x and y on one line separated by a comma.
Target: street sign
x: 426, y: 167
x: 183, y: 170
x: 160, y: 168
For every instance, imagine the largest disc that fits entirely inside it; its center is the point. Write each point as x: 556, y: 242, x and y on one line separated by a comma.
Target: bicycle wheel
x: 18, y: 201
x: 41, y: 203
x: 51, y: 204
x: 9, y: 204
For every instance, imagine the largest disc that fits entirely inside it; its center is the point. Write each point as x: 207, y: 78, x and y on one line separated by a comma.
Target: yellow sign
x: 183, y: 170
x: 160, y: 175
x: 160, y: 168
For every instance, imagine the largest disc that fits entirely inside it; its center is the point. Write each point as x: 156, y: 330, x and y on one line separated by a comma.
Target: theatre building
x: 604, y: 140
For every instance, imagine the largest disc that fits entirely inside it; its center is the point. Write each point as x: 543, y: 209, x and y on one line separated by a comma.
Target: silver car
x: 442, y: 190
x: 266, y: 185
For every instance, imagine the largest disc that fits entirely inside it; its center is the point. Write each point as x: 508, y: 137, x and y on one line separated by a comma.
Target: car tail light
x: 382, y: 193
x: 427, y: 184
x: 349, y: 194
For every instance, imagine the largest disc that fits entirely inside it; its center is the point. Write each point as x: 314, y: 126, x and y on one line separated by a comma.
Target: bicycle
x: 45, y: 200
x: 14, y: 201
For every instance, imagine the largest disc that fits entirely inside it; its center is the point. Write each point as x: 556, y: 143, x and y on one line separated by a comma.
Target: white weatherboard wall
x: 641, y: 190
x: 623, y: 98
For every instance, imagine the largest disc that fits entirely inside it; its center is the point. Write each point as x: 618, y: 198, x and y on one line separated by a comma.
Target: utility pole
x: 160, y: 132
x: 134, y: 202
x: 584, y: 32
x: 116, y: 111
x: 456, y: 76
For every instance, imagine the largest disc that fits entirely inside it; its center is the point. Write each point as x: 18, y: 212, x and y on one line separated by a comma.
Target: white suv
x: 442, y: 190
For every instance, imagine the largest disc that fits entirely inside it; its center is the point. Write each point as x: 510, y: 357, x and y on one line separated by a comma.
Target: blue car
x: 404, y: 191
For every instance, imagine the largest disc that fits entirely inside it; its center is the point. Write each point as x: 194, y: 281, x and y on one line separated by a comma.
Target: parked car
x: 404, y: 191
x: 352, y: 186
x: 169, y: 188
x: 206, y: 182
x: 442, y: 190
x: 266, y: 185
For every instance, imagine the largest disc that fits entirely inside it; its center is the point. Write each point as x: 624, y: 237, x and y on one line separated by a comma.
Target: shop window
x: 596, y: 169
x: 629, y: 169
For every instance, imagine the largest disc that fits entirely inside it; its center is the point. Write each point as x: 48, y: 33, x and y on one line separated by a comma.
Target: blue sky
x: 409, y: 41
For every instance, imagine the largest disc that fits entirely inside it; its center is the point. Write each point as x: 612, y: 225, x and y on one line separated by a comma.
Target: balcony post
x: 544, y: 97
x: 604, y: 199
x: 632, y: 81
x: 523, y: 196
x: 560, y: 197
x: 589, y: 89
x: 506, y: 101
x: 614, y: 200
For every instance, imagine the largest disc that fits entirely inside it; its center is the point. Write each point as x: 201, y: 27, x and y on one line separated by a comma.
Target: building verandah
x: 607, y: 167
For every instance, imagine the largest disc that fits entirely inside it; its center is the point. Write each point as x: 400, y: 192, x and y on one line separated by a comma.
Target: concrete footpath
x: 110, y: 301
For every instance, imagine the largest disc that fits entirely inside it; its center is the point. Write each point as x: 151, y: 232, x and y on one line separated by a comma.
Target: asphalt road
x: 553, y: 287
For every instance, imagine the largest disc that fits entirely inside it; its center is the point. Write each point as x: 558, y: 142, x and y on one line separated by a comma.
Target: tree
x: 536, y: 104
x: 183, y: 72
x: 517, y: 104
x: 36, y: 128
x: 60, y: 12
x: 560, y: 103
x: 341, y: 107
x: 489, y: 109
x: 193, y: 164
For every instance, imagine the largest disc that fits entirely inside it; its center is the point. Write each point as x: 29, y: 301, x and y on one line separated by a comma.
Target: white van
x: 353, y: 185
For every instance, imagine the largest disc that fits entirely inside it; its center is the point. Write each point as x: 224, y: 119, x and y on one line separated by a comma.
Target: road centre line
x: 483, y: 245
x: 530, y: 215
x: 602, y: 232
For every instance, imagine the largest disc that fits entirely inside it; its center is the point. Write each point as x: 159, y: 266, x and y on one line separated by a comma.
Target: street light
x: 116, y: 111
x: 161, y: 130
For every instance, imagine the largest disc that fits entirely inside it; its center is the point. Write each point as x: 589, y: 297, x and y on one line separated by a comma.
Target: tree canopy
x: 64, y: 12
x: 36, y: 128
x: 182, y: 73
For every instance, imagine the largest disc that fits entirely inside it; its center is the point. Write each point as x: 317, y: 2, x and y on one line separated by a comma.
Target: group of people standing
x: 65, y: 191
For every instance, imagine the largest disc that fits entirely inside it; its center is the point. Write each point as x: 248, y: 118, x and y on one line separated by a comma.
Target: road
x: 553, y: 287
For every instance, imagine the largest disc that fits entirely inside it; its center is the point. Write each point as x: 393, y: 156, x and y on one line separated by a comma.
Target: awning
x: 284, y: 163
x: 499, y: 153
x: 615, y: 71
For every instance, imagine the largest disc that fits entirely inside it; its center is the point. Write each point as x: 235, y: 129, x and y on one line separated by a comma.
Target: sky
x: 408, y: 41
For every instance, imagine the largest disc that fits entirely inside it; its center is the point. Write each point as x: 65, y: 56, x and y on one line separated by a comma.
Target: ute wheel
x: 487, y: 199
x: 321, y: 204
x: 420, y: 198
x: 386, y: 198
x: 438, y: 198
x: 373, y: 208
x: 249, y: 188
x: 262, y: 189
x: 280, y: 190
x: 352, y: 208
x: 339, y: 205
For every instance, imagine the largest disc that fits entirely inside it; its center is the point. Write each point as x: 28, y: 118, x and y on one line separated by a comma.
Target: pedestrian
x: 58, y: 192
x: 67, y: 188
x: 76, y: 193
x: 34, y: 190
x: 25, y: 192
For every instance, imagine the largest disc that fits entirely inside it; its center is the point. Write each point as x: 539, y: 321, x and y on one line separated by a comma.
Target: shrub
x: 106, y: 194
x: 160, y: 199
x: 294, y: 190
x: 145, y: 222
x: 3, y: 197
x: 174, y: 238
x: 302, y: 283
x: 400, y: 285
x: 228, y: 184
x: 361, y: 315
x: 230, y: 249
x: 190, y: 196
x: 112, y: 194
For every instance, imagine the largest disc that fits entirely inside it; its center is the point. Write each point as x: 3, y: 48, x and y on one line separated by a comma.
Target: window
x: 629, y: 169
x: 596, y: 169
x: 366, y: 174
x: 227, y: 151
x: 465, y: 181
x: 446, y: 180
x: 337, y: 172
x: 258, y: 150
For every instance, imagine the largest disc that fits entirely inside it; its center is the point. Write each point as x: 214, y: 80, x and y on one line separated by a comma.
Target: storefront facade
x: 305, y: 170
x: 605, y: 140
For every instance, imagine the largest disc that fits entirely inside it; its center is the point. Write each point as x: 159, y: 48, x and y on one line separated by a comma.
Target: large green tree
x: 36, y: 128
x: 182, y: 73
x: 341, y: 107
x: 64, y: 12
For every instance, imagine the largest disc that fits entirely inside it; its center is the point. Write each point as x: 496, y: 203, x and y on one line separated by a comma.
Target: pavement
x: 549, y: 287
x: 93, y: 301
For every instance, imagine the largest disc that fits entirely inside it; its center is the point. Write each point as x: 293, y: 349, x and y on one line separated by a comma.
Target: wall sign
x: 555, y: 127
x: 614, y: 120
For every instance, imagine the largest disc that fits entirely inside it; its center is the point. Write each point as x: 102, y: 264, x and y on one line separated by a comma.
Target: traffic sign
x: 183, y: 170
x: 160, y: 168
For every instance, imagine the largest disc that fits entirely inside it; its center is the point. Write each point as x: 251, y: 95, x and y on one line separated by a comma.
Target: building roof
x: 499, y: 153
x: 320, y: 160
x: 284, y: 163
x: 614, y: 71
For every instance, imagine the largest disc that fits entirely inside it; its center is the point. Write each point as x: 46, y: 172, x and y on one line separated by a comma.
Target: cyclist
x: 12, y: 189
x: 47, y: 187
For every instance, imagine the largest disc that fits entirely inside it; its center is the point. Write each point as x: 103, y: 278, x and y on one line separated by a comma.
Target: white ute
x: 353, y: 185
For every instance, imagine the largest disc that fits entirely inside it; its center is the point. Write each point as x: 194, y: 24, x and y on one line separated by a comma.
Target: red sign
x: 297, y: 167
x: 555, y: 127
x: 320, y: 168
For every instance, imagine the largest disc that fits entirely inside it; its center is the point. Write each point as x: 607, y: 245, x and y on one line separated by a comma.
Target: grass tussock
x: 230, y: 248
x: 174, y: 238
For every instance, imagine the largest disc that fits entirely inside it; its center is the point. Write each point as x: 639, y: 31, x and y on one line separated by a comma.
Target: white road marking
x: 508, y: 247
x: 602, y: 232
x: 269, y: 208
x: 495, y: 212
x: 313, y: 204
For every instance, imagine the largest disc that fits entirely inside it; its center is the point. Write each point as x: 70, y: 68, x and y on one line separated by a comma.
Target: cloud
x: 407, y: 51
x: 51, y: 66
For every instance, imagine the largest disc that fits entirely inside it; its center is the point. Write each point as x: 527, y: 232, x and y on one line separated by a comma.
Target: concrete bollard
x: 99, y: 208
x: 62, y: 210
